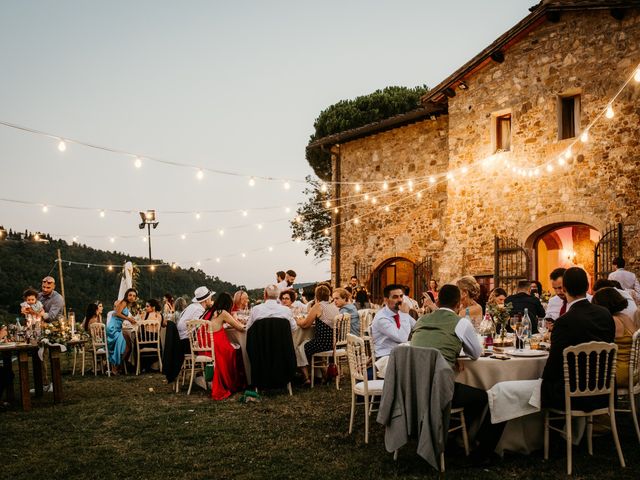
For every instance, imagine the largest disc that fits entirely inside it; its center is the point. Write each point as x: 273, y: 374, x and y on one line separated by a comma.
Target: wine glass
x: 512, y: 322
x: 542, y: 325
x: 520, y: 333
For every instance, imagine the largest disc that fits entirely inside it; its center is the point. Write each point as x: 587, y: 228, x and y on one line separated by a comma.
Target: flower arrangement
x: 60, y: 331
x: 501, y: 314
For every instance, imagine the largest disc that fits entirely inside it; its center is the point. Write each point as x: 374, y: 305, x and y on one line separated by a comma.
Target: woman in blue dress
x: 118, y: 344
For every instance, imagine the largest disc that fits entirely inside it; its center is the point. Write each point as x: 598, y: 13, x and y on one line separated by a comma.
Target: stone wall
x: 589, y: 53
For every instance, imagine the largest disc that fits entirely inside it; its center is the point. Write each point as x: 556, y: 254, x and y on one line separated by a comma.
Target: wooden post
x: 62, y: 284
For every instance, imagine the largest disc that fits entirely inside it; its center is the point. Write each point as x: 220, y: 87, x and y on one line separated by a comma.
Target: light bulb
x: 152, y: 268
x: 374, y: 200
x: 366, y: 197
x: 259, y: 226
x: 174, y: 265
x: 298, y: 240
x: 270, y: 249
x: 358, y: 187
x: 252, y: 182
x: 183, y: 236
x: 144, y: 239
x: 401, y: 189
x: 200, y: 174
x: 198, y: 263
x: 75, y: 239
x: 112, y: 239
x: 610, y: 112
x: 410, y: 184
x: 561, y: 161
x: 549, y: 168
x: 102, y: 213
x: 449, y: 176
x: 419, y: 195
x: 45, y: 209
x: 636, y: 76
x: 356, y: 220
x: 326, y: 231
x: 323, y: 188
x: 244, y: 213
x: 385, y: 186
x: 335, y: 210
x: 287, y: 185
x: 386, y: 208
x: 221, y: 232
x: 62, y: 146
x: 217, y: 259
x: 298, y: 219
x: 465, y: 169
x: 327, y: 204
x: 568, y: 153
x: 110, y: 268
x: 287, y: 209
x: 244, y: 255
x: 584, y: 138
x: 197, y: 215
x: 137, y: 162
x: 432, y: 180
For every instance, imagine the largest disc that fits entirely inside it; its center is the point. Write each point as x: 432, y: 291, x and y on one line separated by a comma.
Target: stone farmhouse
x: 510, y: 167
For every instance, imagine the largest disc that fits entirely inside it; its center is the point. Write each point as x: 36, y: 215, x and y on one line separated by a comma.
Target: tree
x: 313, y: 221
x: 349, y: 114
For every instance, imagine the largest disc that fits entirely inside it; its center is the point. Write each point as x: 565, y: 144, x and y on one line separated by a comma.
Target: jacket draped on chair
x: 271, y: 353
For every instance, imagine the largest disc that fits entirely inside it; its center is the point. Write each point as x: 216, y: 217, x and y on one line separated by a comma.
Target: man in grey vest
x: 445, y: 331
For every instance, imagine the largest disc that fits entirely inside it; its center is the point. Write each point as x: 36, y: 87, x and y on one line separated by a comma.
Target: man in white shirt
x: 287, y: 283
x: 271, y: 309
x: 201, y: 301
x: 557, y: 304
x: 390, y: 326
x: 627, y: 279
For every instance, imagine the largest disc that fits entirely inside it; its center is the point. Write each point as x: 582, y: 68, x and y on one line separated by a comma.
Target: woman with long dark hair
x: 118, y: 344
x: 228, y: 374
x: 92, y: 315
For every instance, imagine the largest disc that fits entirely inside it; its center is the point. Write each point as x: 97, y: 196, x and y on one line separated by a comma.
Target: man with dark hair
x: 627, y: 279
x: 353, y: 282
x: 583, y: 322
x: 558, y: 303
x: 523, y: 299
x: 390, y: 326
x: 287, y: 283
x: 631, y: 307
x: 280, y: 276
x: 445, y: 331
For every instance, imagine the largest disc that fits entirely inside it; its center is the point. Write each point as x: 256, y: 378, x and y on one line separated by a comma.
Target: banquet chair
x: 592, y: 369
x: 360, y: 384
x: 632, y: 391
x: 78, y: 350
x: 366, y: 317
x: 200, y: 334
x: 148, y: 340
x: 99, y: 344
x: 341, y: 327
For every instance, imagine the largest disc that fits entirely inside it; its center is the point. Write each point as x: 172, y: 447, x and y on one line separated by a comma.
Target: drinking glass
x: 512, y: 322
x: 519, y: 329
x: 542, y: 325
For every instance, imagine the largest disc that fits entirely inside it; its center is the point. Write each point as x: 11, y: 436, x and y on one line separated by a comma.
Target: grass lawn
x: 136, y: 427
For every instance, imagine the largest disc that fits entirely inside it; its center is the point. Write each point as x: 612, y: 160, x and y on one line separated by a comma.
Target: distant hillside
x: 24, y: 262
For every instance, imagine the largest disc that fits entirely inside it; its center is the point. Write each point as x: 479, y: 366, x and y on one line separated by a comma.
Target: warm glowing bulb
x: 568, y: 153
x: 449, y: 176
x: 183, y: 236
x: 287, y: 185
x: 270, y: 249
x: 137, y: 162
x: 356, y: 220
x: 323, y: 188
x: 374, y: 200
x: 259, y: 226
x: 366, y: 197
x: 401, y: 189
x: 465, y: 169
x: 385, y: 186
x: 200, y: 175
x: 152, y: 268
x: 244, y: 255
x: 244, y: 213
x: 110, y: 268
x: 198, y: 263
x: 287, y: 209
x: 536, y: 172
x: 298, y: 240
x: 561, y: 161
x: 102, y: 213
x: 112, y: 240
x: 419, y: 195
x: 410, y: 184
x: 386, y: 208
x: 217, y: 259
x: 636, y: 76
x: 75, y: 239
x: 221, y: 232
x: 45, y: 209
x: 584, y: 138
x: 358, y: 187
x: 432, y: 180
x: 62, y: 146
x: 327, y: 204
x: 335, y: 210
x: 197, y: 215
x: 298, y: 219
x: 609, y: 113
x: 326, y: 231
x: 144, y: 239
x: 174, y: 265
x: 549, y: 168
x: 252, y: 182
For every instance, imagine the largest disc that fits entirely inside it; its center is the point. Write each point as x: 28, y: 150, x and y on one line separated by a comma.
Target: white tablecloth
x: 240, y: 338
x: 300, y: 337
x: 524, y: 434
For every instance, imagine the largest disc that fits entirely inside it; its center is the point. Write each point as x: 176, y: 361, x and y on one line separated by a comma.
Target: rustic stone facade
x: 589, y: 53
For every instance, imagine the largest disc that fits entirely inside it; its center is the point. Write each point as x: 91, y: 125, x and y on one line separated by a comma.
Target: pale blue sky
x: 230, y: 85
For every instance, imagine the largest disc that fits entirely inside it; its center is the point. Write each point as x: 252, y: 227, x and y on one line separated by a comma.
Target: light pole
x: 149, y: 220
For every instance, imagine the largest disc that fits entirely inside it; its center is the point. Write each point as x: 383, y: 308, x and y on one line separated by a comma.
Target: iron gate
x: 422, y: 274
x: 511, y: 263
x: 608, y: 247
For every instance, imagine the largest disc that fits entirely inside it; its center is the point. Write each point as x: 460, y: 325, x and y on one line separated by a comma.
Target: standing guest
x: 118, y: 344
x: 433, y: 290
x: 323, y: 313
x: 469, y: 292
x: 627, y: 279
x: 31, y: 308
x: 390, y: 326
x: 342, y: 300
x: 199, y: 303
x: 612, y: 300
x: 289, y: 279
x: 168, y: 308
x: 228, y: 374
x: 583, y: 322
x: 178, y: 307
x: 558, y: 303
x: 497, y: 296
x: 240, y: 301
x: 445, y: 331
x: 353, y: 283
x: 523, y: 300
x: 52, y: 301
x: 280, y: 275
x: 271, y: 309
x: 92, y: 315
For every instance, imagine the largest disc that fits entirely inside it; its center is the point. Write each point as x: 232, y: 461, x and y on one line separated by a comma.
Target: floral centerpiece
x: 500, y: 313
x: 60, y: 332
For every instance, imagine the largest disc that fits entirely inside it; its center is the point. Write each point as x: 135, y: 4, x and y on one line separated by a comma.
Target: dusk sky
x: 224, y: 85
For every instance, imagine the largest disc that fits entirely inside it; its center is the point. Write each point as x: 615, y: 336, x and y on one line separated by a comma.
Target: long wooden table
x: 23, y: 352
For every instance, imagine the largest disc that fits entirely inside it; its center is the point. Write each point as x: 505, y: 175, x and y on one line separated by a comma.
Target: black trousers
x: 474, y: 401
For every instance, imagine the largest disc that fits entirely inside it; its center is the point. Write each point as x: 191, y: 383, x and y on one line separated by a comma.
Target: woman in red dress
x: 228, y: 373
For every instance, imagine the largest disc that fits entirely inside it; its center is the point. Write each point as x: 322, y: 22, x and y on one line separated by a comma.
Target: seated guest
x: 342, y: 300
x: 168, y: 307
x: 199, y: 303
x: 153, y: 311
x: 583, y: 322
x: 271, y: 308
x: 93, y: 315
x: 535, y: 289
x: 469, y: 293
x: 497, y: 296
x: 433, y: 290
x: 286, y: 298
x: 228, y: 374
x: 362, y: 298
x: 240, y: 301
x: 178, y: 307
x: 611, y: 299
x: 521, y: 300
x: 445, y: 331
x: 558, y: 303
x: 631, y: 307
x: 323, y: 313
x: 390, y: 326
x: 118, y: 344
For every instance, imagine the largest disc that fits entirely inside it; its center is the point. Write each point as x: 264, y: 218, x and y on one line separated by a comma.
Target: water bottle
x: 526, y: 324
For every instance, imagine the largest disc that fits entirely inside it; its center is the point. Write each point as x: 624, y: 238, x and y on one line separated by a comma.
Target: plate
x: 528, y: 353
x: 10, y: 344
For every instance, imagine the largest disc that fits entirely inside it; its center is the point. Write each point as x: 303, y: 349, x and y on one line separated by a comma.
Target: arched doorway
x: 393, y: 270
x: 564, y: 245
